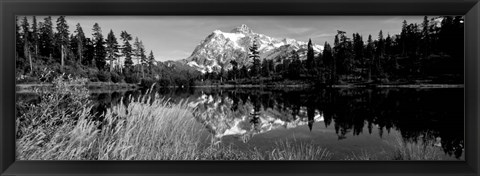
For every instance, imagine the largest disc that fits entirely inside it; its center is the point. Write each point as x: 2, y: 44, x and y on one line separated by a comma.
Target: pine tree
x: 63, y: 33
x: 295, y: 67
x: 137, y: 49
x: 99, y: 48
x: 46, y: 37
x: 35, y: 37
x: 380, y: 60
x: 381, y: 45
x: 425, y: 36
x: 403, y: 36
x: 26, y: 38
x: 234, y: 69
x: 329, y: 63
x: 150, y: 61
x: 18, y: 41
x: 80, y: 38
x: 254, y: 54
x: 265, y: 68
x: 143, y: 59
x: 369, y: 53
x: 127, y: 50
x: 89, y: 53
x: 112, y: 48
x: 244, y: 72
x: 358, y: 50
x: 310, y: 59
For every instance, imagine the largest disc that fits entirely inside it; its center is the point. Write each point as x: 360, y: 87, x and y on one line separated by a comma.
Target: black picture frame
x: 10, y: 8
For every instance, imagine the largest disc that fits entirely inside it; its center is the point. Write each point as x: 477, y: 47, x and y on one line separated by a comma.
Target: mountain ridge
x: 219, y: 48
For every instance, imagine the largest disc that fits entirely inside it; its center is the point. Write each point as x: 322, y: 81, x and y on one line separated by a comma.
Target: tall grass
x: 281, y: 150
x: 60, y: 127
x: 418, y: 150
x: 144, y: 131
x: 293, y: 150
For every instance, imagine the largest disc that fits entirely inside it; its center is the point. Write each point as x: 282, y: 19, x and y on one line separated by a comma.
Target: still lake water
x: 344, y: 120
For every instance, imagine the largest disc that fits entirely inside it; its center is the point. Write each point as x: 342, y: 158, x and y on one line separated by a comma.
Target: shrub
x: 103, y: 76
x: 116, y: 78
x: 132, y: 79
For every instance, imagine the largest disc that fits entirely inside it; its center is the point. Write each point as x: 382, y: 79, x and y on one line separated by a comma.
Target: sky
x: 175, y: 37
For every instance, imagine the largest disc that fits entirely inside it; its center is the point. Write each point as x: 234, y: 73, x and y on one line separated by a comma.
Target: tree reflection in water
x: 419, y: 114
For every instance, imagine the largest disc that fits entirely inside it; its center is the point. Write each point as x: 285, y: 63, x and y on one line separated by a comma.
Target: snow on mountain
x: 219, y: 48
x: 216, y: 114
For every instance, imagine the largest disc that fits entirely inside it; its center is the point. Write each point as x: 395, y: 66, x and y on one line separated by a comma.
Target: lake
x: 344, y: 120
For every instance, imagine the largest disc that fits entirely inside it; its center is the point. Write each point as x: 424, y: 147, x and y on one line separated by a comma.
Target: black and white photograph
x: 385, y: 88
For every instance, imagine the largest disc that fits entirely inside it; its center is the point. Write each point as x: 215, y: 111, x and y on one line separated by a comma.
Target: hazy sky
x: 175, y: 37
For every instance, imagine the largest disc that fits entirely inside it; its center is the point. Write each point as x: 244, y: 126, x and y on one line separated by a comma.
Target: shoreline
x: 125, y: 86
x: 93, y: 86
x: 336, y: 86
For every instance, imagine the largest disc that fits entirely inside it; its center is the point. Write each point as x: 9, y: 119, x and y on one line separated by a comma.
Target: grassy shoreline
x: 29, y: 87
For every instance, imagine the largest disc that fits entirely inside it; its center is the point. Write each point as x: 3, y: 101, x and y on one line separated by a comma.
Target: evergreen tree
x: 112, y: 49
x: 127, y: 50
x: 26, y: 38
x: 381, y: 45
x: 358, y: 50
x: 311, y: 65
x: 35, y: 37
x: 403, y: 37
x: 63, y: 33
x: 329, y: 63
x: 369, y: 53
x: 265, y: 68
x: 18, y: 42
x: 343, y: 55
x: 89, y: 53
x: 244, y: 72
x: 425, y: 36
x: 388, y: 45
x: 143, y: 59
x: 254, y: 54
x: 99, y: 48
x: 137, y: 50
x: 46, y: 37
x: 80, y: 39
x: 150, y: 61
x: 380, y: 50
x: 234, y: 69
x: 295, y: 67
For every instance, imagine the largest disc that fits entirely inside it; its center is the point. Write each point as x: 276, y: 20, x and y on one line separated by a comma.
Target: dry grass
x: 139, y: 131
x: 282, y: 150
x: 405, y: 150
x: 293, y: 150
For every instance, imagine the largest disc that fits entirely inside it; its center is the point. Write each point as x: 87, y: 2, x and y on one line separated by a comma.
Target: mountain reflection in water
x: 417, y: 114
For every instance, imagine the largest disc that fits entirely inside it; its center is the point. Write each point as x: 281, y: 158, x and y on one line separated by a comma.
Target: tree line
x: 430, y: 52
x: 40, y: 46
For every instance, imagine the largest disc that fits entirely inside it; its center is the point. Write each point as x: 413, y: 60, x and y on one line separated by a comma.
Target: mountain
x: 218, y: 116
x: 219, y: 48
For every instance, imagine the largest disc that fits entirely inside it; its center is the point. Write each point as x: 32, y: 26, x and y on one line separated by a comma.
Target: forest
x: 44, y: 53
x: 429, y: 53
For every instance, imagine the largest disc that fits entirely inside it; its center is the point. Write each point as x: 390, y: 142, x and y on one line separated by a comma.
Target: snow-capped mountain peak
x: 242, y: 29
x: 219, y: 48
